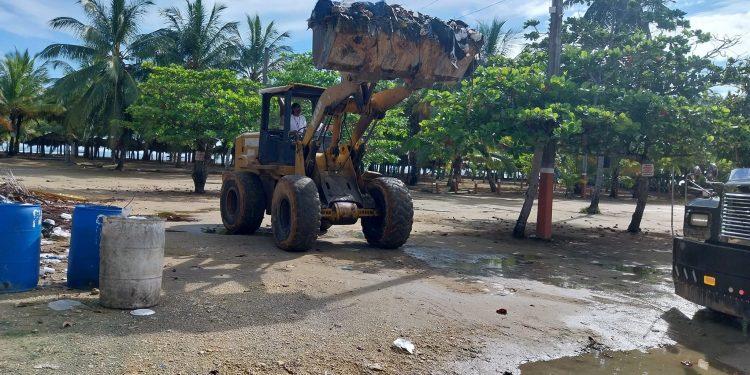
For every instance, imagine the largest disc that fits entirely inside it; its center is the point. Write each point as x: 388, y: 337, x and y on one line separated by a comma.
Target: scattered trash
x: 52, y: 256
x: 46, y: 366
x: 46, y: 242
x: 48, y: 223
x: 67, y: 324
x: 142, y: 312
x: 50, y: 261
x: 46, y: 270
x: 703, y: 364
x: 347, y: 268
x: 63, y: 304
x: 66, y: 216
x: 596, y: 345
x: 23, y: 304
x: 95, y: 292
x: 375, y: 367
x: 502, y: 311
x: 404, y: 344
x: 60, y: 233
x: 4, y: 200
x: 687, y: 363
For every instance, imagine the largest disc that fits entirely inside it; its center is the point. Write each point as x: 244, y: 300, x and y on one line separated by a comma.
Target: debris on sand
x: 46, y: 366
x: 58, y: 232
x: 142, y: 312
x: 64, y: 304
x: 596, y: 345
x: 53, y: 205
x: 375, y: 367
x: 403, y: 344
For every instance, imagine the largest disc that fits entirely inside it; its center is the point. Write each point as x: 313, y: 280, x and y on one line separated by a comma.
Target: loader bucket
x: 378, y: 41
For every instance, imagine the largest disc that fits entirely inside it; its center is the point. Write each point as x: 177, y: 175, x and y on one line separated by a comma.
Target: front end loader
x: 308, y: 181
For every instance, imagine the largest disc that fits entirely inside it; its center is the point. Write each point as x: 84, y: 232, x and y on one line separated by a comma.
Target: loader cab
x: 277, y: 144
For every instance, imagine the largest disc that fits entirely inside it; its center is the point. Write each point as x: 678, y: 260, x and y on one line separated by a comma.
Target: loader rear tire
x: 392, y: 227
x: 295, y: 213
x: 242, y: 203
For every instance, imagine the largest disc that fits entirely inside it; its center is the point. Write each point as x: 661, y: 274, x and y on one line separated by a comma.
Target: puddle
x: 176, y: 216
x: 663, y: 361
x: 555, y: 269
x: 472, y: 264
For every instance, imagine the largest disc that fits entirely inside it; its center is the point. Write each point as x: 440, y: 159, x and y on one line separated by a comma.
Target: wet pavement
x: 669, y: 360
x: 646, y: 327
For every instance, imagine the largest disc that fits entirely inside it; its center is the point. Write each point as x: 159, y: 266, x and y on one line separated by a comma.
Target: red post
x: 544, y: 210
x: 546, y: 187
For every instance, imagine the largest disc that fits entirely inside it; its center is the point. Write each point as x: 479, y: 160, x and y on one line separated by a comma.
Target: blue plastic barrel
x: 83, y: 259
x: 20, y: 241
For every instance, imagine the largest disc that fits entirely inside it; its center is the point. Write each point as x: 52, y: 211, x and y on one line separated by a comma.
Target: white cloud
x: 730, y: 20
x: 29, y: 18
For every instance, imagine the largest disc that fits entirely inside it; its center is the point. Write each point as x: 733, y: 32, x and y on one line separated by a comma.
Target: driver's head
x: 296, y: 109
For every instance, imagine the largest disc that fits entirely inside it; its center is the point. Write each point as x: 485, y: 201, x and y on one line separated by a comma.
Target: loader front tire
x: 392, y: 227
x: 295, y: 213
x: 242, y: 202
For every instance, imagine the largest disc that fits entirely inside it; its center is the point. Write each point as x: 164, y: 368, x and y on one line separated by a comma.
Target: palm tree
x: 107, y: 64
x: 21, y: 86
x: 630, y: 16
x: 195, y: 39
x: 497, y: 39
x: 265, y: 45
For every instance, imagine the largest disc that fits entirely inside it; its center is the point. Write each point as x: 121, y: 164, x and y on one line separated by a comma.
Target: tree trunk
x: 70, y: 155
x: 17, y: 137
x: 491, y: 178
x: 635, y: 222
x: 593, y: 208
x: 146, y: 154
x: 14, y: 135
x: 615, y: 188
x: 200, y: 168
x: 455, y: 177
x: 12, y: 151
x: 519, y: 231
x: 413, y: 170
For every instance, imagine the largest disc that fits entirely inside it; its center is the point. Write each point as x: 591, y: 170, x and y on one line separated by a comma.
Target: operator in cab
x: 297, y: 122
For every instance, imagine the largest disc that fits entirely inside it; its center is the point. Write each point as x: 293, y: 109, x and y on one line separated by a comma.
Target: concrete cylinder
x: 131, y: 262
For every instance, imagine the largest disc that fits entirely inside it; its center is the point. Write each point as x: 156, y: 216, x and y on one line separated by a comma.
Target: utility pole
x: 547, y: 172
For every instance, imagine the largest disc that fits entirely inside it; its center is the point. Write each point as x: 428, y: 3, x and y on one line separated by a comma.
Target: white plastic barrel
x: 130, y: 262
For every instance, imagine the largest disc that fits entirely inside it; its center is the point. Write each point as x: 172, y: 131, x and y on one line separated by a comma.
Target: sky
x: 24, y: 23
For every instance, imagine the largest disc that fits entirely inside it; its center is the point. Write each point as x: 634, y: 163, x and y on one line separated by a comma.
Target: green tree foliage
x: 21, y: 87
x: 498, y: 40
x: 195, y: 38
x: 105, y: 77
x: 299, y: 68
x: 183, y: 107
x: 634, y: 58
x: 505, y: 105
x: 262, y: 43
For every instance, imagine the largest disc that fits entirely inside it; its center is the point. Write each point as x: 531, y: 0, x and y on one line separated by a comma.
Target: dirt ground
x: 471, y: 299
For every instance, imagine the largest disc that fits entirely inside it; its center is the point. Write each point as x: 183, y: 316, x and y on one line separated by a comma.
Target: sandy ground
x: 238, y: 305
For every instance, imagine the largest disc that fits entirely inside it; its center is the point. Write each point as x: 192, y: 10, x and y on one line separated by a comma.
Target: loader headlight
x: 698, y: 220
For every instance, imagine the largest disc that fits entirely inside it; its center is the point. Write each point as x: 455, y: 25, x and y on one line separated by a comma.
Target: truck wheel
x: 392, y: 227
x: 242, y: 202
x: 295, y: 213
x: 325, y: 225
